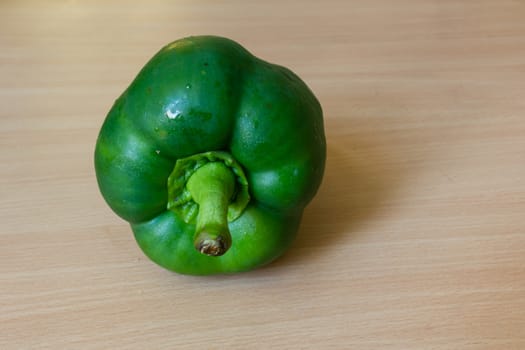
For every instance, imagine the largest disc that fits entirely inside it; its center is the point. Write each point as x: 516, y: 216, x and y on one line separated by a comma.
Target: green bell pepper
x: 211, y: 155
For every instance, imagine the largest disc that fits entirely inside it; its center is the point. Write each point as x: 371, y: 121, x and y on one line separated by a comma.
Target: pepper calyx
x: 181, y: 200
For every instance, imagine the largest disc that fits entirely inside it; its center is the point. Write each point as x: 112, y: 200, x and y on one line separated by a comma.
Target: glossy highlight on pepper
x: 211, y: 154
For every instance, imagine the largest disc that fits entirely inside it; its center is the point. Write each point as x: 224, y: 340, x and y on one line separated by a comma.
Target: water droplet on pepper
x: 173, y: 114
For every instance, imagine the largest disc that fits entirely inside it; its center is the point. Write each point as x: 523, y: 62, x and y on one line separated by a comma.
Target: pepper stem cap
x: 212, y: 187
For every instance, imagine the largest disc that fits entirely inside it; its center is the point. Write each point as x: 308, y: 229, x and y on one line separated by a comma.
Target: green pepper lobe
x: 211, y: 155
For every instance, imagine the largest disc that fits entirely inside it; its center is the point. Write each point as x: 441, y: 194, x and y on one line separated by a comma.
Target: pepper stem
x: 212, y: 187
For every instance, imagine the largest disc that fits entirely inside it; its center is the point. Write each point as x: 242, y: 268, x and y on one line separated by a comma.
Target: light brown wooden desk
x: 416, y: 239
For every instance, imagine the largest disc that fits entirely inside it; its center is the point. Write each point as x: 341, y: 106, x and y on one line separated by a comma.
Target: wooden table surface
x: 416, y: 239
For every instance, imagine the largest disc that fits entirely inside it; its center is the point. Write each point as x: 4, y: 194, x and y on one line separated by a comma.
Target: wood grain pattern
x: 416, y: 239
